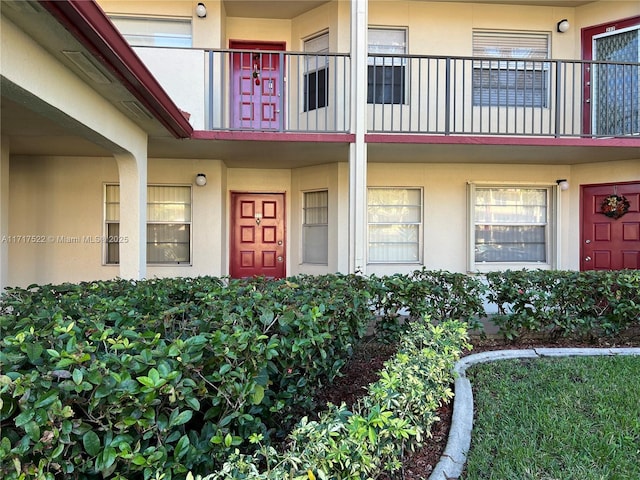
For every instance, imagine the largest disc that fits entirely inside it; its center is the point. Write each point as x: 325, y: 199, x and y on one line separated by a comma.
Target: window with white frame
x: 315, y: 227
x: 154, y: 31
x: 511, y: 225
x: 515, y: 73
x: 386, y: 75
x: 168, y: 224
x: 316, y: 72
x: 394, y: 218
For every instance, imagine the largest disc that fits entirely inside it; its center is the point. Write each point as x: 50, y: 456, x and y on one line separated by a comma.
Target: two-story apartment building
x: 233, y: 137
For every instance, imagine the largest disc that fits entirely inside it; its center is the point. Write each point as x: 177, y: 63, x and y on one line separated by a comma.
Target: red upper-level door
x: 256, y: 85
x: 611, y: 91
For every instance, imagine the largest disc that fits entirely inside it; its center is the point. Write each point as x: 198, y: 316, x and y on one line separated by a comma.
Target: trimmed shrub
x: 127, y: 379
x: 438, y: 295
x: 394, y: 417
x: 565, y: 303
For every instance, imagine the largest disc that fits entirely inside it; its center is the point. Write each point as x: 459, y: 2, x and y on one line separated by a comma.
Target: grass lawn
x: 547, y: 419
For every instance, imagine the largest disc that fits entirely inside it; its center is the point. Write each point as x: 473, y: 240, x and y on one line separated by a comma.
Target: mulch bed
x: 368, y: 359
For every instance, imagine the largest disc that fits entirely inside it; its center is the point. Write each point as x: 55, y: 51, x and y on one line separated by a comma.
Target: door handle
x: 587, y: 258
x: 587, y: 241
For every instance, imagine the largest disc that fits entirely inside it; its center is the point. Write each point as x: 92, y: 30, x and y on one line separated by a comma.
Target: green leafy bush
x: 438, y: 295
x: 128, y: 379
x: 393, y: 418
x: 565, y: 303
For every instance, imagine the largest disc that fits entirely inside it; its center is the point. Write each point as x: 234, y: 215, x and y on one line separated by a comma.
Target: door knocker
x: 256, y: 68
x: 258, y: 218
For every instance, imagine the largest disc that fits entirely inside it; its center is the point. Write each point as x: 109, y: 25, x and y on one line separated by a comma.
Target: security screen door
x: 612, y: 90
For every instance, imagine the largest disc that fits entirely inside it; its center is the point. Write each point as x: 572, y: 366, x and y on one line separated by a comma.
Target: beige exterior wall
x: 322, y: 177
x: 4, y: 211
x: 445, y: 217
x: 57, y: 211
x: 57, y: 205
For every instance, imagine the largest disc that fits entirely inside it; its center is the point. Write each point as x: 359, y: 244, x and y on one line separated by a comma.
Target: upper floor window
x: 168, y: 224
x: 386, y: 76
x: 315, y: 225
x: 516, y: 74
x: 154, y: 31
x: 511, y: 225
x: 394, y: 216
x: 316, y: 76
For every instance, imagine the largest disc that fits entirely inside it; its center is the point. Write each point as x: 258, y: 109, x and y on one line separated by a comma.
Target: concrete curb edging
x: 451, y: 464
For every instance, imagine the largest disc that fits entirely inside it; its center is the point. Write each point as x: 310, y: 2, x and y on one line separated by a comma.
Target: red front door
x: 256, y: 79
x: 257, y: 235
x: 610, y: 243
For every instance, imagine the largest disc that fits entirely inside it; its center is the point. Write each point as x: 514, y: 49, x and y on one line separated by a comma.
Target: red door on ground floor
x: 610, y: 238
x: 257, y: 235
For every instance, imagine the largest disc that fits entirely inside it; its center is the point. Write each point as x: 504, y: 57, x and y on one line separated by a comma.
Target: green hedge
x: 423, y: 293
x: 124, y: 379
x: 394, y: 418
x: 565, y: 303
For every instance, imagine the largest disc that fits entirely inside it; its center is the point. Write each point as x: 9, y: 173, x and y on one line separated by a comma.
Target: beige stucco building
x: 331, y: 136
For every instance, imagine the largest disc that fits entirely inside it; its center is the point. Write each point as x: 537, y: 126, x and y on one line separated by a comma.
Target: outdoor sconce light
x: 201, y: 179
x: 563, y: 25
x: 563, y: 184
x: 201, y: 10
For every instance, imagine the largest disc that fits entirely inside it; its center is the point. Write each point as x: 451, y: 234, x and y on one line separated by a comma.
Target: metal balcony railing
x: 499, y: 96
x: 278, y: 91
x: 257, y: 90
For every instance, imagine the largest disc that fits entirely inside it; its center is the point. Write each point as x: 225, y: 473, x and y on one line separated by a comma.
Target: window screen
x: 386, y: 76
x: 315, y: 223
x: 515, y: 74
x: 395, y: 225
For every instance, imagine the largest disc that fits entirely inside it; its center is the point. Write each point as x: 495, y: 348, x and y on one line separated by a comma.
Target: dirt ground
x: 368, y: 359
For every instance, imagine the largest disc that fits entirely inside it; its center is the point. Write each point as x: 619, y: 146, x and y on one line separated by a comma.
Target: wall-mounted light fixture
x: 201, y: 179
x: 201, y: 10
x: 563, y: 184
x: 563, y: 25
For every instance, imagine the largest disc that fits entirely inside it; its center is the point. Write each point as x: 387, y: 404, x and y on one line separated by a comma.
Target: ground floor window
x: 510, y: 225
x: 168, y: 224
x: 315, y: 227
x: 394, y: 218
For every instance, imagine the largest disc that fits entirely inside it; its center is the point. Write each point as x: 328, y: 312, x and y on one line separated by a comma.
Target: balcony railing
x: 411, y: 94
x: 278, y: 91
x: 494, y: 96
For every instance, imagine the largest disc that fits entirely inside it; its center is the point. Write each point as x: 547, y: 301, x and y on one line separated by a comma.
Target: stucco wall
x: 58, y: 203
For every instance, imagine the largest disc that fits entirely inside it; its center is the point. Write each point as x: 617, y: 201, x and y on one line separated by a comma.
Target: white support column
x: 358, y: 149
x: 4, y: 213
x: 132, y: 171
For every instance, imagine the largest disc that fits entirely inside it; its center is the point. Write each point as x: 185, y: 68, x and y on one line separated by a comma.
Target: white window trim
x: 372, y: 60
x: 319, y: 63
x: 552, y: 238
x: 420, y: 260
x: 130, y: 37
x: 106, y: 233
x: 541, y: 64
x: 303, y: 261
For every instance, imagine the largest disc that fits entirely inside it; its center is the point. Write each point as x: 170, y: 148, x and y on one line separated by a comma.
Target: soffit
x: 288, y: 9
x: 282, y: 9
x: 42, y: 27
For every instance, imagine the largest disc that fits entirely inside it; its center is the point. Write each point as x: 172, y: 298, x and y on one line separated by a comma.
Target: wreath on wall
x: 614, y: 206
